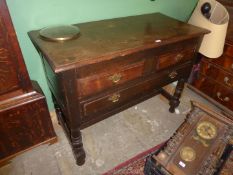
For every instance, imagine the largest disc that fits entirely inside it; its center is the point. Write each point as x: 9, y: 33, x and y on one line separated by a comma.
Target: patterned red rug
x: 135, y: 165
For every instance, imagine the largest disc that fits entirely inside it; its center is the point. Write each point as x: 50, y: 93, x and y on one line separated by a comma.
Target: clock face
x: 206, y: 130
x: 187, y: 154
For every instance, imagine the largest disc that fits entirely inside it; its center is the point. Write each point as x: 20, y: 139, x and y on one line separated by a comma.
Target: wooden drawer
x: 228, y: 50
x: 217, y: 73
x: 177, y: 54
x: 95, y: 78
x: 226, y: 60
x: 111, y: 101
x: 110, y: 76
x: 217, y: 91
x: 98, y: 77
x: 170, y: 59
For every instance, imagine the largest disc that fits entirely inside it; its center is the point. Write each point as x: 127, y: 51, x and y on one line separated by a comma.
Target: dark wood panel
x: 13, y: 69
x: 214, y: 89
x: 99, y: 82
x: 118, y: 98
x: 177, y: 53
x: 9, y: 79
x: 170, y: 59
x: 221, y: 76
x: 24, y: 123
x: 24, y: 117
x: 226, y: 60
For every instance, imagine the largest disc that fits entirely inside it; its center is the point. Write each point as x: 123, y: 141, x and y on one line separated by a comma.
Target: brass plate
x: 60, y: 33
x: 187, y: 154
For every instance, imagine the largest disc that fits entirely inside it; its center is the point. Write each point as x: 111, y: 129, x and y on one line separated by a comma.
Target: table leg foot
x: 77, y: 146
x: 174, y: 102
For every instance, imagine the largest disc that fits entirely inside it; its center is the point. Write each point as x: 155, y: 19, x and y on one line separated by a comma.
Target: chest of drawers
x: 113, y: 65
x: 215, y: 77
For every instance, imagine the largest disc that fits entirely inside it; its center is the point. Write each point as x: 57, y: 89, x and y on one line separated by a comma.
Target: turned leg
x: 174, y: 102
x: 75, y: 136
x: 73, y: 115
x: 77, y: 146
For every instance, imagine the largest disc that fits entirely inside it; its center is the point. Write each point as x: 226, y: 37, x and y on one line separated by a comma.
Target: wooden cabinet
x: 24, y: 118
x: 215, y: 77
x: 113, y: 65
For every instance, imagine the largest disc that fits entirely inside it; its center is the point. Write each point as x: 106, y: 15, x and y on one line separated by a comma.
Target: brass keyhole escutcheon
x: 115, y: 78
x: 114, y: 97
x: 179, y: 57
x: 173, y: 74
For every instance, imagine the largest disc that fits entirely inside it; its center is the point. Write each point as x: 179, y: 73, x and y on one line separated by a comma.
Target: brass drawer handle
x: 227, y: 82
x: 114, y: 97
x: 225, y: 99
x: 173, y: 74
x: 179, y: 57
x: 115, y: 78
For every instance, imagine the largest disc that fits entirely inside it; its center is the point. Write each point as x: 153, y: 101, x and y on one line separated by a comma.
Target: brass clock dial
x: 187, y: 154
x: 206, y: 130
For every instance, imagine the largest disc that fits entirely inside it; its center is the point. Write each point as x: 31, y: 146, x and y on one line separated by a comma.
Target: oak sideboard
x: 115, y: 64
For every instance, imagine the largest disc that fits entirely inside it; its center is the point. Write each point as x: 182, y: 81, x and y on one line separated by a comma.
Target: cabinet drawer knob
x: 179, y: 57
x: 173, y: 74
x: 114, y: 97
x: 227, y: 82
x: 115, y: 78
x: 224, y: 99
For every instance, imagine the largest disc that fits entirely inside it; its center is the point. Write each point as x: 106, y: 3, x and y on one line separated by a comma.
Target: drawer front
x: 228, y: 50
x: 95, y: 78
x: 226, y: 60
x: 96, y: 83
x: 216, y: 73
x: 171, y: 59
x: 217, y: 91
x: 118, y: 98
x: 176, y: 54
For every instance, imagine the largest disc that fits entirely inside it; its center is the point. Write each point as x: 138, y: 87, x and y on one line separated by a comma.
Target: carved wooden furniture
x: 215, y: 77
x: 24, y: 117
x: 113, y: 65
x: 197, y: 147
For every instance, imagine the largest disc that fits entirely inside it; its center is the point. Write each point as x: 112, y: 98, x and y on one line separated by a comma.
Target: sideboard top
x: 103, y: 40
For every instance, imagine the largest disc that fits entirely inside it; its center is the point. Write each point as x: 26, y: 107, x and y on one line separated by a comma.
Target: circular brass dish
x: 187, y: 154
x: 60, y: 33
